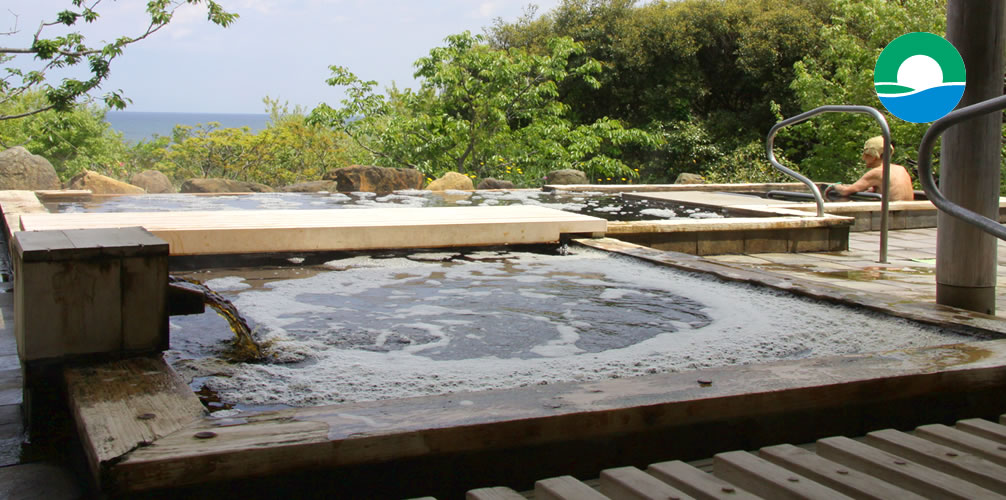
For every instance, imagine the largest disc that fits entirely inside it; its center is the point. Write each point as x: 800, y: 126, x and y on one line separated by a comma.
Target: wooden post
x: 970, y: 161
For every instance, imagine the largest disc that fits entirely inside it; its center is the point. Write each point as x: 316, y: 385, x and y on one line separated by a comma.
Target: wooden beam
x: 376, y: 432
x: 644, y: 188
x: 256, y: 231
x: 970, y: 161
x: 14, y: 204
x: 125, y: 405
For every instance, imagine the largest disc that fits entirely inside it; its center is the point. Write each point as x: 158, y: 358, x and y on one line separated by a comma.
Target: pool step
x: 267, y: 231
x: 936, y: 461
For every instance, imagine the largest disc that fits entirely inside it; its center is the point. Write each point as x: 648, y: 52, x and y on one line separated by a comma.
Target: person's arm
x: 873, y: 178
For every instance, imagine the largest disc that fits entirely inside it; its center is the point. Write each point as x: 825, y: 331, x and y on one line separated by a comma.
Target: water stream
x: 244, y: 347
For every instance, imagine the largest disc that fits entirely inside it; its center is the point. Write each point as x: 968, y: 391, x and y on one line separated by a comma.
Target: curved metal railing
x: 886, y: 132
x: 926, y: 171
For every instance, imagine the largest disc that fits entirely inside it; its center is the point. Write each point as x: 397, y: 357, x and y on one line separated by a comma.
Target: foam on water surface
x: 375, y: 328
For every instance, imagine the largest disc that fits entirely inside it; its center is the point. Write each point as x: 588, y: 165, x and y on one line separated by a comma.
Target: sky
x: 278, y: 48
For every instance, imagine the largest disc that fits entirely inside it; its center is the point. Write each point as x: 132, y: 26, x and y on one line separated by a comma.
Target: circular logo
x: 919, y: 77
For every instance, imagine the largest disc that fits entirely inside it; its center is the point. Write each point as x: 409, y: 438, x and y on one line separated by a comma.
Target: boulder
x: 19, y: 169
x: 100, y: 184
x: 686, y: 178
x: 223, y: 186
x: 381, y: 180
x: 311, y: 187
x: 452, y: 181
x: 152, y: 181
x: 566, y: 176
x: 490, y: 183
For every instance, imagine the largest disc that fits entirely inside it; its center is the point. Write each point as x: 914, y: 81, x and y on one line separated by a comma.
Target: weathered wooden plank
x: 630, y: 483
x: 378, y: 431
x: 899, y: 471
x: 954, y: 438
x: 124, y: 405
x: 223, y: 232
x: 731, y: 224
x: 942, y: 458
x: 14, y: 204
x: 697, y: 483
x: 983, y: 428
x: 833, y: 475
x: 644, y: 188
x: 564, y: 488
x: 362, y: 433
x: 497, y: 493
x: 766, y: 479
x: 916, y: 311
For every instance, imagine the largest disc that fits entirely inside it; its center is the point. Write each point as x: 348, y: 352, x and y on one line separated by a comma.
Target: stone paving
x: 909, y: 274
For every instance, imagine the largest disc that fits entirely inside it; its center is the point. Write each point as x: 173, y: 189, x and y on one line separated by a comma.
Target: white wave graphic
x: 916, y: 91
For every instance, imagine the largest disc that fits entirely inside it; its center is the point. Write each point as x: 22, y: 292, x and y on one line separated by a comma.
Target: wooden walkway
x: 263, y: 231
x: 967, y: 461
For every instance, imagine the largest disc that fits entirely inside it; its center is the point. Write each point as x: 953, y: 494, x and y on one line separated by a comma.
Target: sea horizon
x: 137, y: 126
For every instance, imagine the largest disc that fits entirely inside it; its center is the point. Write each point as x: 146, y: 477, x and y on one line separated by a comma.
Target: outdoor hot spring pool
x: 392, y: 325
x: 603, y: 205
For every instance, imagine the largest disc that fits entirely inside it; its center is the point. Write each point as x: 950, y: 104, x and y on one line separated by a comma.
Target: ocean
x: 142, y: 125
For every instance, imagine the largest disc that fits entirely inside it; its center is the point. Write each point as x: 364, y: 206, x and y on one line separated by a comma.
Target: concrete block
x: 89, y: 291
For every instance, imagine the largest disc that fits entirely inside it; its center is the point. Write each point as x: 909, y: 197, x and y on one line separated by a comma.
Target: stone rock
x: 490, y: 183
x: 452, y: 180
x: 381, y: 180
x: 311, y: 187
x: 223, y: 186
x: 100, y: 184
x: 566, y: 176
x: 152, y: 181
x: 19, y: 169
x: 686, y: 178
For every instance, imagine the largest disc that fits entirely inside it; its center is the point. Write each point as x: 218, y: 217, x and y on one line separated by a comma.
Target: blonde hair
x: 875, y: 147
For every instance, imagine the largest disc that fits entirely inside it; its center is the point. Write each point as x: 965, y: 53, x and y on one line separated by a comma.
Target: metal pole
x: 885, y: 131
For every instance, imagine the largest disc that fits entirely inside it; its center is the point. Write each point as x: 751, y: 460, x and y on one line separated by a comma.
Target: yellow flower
x: 623, y: 178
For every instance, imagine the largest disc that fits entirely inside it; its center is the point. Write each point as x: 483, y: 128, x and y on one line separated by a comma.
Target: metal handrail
x: 886, y: 132
x: 926, y: 158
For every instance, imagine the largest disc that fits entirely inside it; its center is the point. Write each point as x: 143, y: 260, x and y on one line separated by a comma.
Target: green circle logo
x: 919, y: 77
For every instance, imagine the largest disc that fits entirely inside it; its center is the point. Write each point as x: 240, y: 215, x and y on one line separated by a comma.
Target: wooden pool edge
x: 862, y: 392
x: 924, y: 312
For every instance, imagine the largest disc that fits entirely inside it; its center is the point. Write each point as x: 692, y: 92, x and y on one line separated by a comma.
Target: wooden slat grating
x: 256, y: 231
x: 935, y: 461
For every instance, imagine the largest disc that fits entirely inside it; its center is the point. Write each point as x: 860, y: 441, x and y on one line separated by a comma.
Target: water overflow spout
x: 244, y: 348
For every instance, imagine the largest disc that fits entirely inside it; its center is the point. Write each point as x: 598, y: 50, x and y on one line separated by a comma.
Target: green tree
x: 828, y: 148
x: 288, y: 150
x: 484, y: 112
x: 72, y: 140
x: 701, y: 74
x: 68, y: 48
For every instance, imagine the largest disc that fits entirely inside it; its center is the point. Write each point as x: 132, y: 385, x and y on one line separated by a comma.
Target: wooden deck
x: 966, y: 461
x: 263, y: 231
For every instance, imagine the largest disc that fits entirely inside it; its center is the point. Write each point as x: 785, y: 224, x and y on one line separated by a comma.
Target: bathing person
x: 873, y: 180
